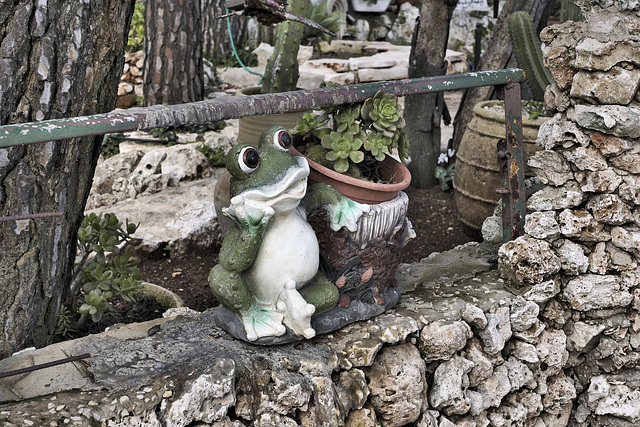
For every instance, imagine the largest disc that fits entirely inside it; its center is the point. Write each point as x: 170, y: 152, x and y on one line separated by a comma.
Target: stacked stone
x: 582, y: 239
x: 130, y: 84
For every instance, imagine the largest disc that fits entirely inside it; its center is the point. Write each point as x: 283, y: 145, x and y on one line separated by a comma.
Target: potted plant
x: 351, y: 147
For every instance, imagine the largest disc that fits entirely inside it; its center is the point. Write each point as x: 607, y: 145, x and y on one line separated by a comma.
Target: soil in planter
x: 431, y: 211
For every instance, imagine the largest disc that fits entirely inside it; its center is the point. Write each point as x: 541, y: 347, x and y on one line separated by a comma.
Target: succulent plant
x: 360, y: 136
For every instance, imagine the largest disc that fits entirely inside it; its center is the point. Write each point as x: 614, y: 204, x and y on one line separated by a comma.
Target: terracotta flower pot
x: 359, y: 190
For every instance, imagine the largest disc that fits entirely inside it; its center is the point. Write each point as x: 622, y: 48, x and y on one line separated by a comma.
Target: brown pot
x: 358, y: 190
x: 478, y: 173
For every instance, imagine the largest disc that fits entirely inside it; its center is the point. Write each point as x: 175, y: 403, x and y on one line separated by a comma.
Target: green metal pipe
x: 233, y: 107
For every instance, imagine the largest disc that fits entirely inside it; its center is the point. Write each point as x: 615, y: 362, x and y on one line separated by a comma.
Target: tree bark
x: 423, y: 113
x: 497, y: 56
x: 61, y: 58
x: 216, y: 42
x: 173, y: 68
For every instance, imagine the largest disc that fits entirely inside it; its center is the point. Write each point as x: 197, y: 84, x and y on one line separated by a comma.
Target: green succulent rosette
x: 385, y: 113
x: 342, y: 148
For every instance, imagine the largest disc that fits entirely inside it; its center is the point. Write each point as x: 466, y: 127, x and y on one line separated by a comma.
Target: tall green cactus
x: 569, y: 11
x: 281, y: 73
x: 526, y: 47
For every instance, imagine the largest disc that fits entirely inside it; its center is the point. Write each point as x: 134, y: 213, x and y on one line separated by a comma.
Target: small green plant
x: 330, y: 21
x: 101, y: 272
x: 445, y: 173
x: 215, y: 156
x: 361, y: 135
x: 135, y: 42
x: 110, y: 146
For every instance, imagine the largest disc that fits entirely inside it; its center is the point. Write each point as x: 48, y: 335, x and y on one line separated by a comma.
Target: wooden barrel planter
x: 478, y: 172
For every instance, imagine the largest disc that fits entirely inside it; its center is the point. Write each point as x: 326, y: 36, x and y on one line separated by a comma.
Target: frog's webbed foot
x: 260, y: 321
x: 297, y: 311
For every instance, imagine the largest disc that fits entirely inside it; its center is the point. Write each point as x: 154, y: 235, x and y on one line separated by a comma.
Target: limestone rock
x: 527, y: 261
x: 620, y: 260
x: 629, y: 190
x: 592, y: 292
x: 616, y: 86
x: 551, y: 167
x: 365, y: 417
x: 450, y: 381
x: 490, y: 392
x: 586, y: 158
x: 543, y: 291
x: 558, y: 62
x: 581, y: 225
x: 542, y: 225
x: 403, y: 26
x: 556, y: 198
x: 474, y: 316
x: 610, y: 119
x: 441, y: 339
x: 572, y: 258
x: 628, y: 161
x: 610, y: 145
x: 198, y: 228
x: 525, y: 352
x: 519, y: 374
x: 618, y: 400
x: 523, y: 314
x: 560, y: 392
x: 627, y: 239
x: 517, y: 409
x: 604, y: 181
x: 352, y: 390
x: 552, y: 350
x: 559, y: 132
x: 609, y: 209
x: 584, y: 336
x: 482, y: 366
x: 592, y: 54
x: 497, y: 332
x: 206, y: 398
x: 397, y: 384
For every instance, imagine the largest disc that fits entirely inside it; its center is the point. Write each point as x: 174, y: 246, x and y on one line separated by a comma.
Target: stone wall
x: 583, y: 237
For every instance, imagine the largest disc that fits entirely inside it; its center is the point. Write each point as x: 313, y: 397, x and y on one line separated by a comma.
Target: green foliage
x: 247, y: 57
x: 101, y: 272
x: 215, y: 156
x: 362, y: 134
x: 569, y: 11
x: 526, y: 47
x: 135, y: 42
x: 445, y: 173
x: 110, y: 147
x: 330, y: 21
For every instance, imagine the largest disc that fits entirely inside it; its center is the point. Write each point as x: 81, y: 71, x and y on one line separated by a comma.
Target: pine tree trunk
x: 216, y: 42
x: 424, y: 112
x: 173, y: 69
x: 61, y: 58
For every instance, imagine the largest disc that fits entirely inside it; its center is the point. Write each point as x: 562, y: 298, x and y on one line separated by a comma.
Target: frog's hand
x: 343, y: 212
x: 247, y: 215
x: 261, y: 322
x: 297, y: 311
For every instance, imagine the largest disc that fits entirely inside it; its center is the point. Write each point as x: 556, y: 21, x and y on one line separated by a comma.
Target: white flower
x: 451, y: 152
x: 443, y: 158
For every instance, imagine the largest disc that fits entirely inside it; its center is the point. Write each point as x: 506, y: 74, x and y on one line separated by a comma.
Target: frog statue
x: 268, y: 268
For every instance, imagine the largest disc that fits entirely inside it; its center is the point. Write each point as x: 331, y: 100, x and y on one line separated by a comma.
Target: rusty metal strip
x: 31, y: 216
x: 44, y: 365
x: 234, y: 107
x: 516, y: 199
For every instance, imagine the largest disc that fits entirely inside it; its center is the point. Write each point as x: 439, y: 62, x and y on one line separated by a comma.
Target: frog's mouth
x: 293, y: 186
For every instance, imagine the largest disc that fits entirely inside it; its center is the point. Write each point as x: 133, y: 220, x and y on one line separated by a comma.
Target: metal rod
x: 44, y: 365
x: 515, y: 162
x: 233, y: 107
x: 31, y: 216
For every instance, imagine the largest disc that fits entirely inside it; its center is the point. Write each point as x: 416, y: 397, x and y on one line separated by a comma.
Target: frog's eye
x: 282, y: 139
x: 248, y: 159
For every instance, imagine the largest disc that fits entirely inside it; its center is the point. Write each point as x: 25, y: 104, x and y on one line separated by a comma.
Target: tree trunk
x: 173, y: 68
x: 216, y: 42
x: 424, y: 112
x: 61, y: 58
x: 498, y: 55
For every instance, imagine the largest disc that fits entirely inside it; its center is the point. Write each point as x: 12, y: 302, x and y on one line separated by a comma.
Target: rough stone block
x: 592, y: 292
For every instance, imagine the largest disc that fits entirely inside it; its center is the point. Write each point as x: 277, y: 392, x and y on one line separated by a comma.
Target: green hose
x: 233, y: 47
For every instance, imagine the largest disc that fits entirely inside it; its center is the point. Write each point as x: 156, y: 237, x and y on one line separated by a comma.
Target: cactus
x: 526, y: 47
x: 569, y: 11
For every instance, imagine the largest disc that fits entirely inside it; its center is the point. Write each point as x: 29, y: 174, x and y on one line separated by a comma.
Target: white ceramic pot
x: 365, y: 6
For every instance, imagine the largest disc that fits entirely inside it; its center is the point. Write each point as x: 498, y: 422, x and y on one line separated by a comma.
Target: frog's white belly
x: 289, y: 251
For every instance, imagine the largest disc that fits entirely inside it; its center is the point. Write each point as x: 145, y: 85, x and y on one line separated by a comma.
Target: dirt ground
x: 431, y: 211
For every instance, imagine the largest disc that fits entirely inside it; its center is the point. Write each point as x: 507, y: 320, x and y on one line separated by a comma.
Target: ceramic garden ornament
x: 268, y: 269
